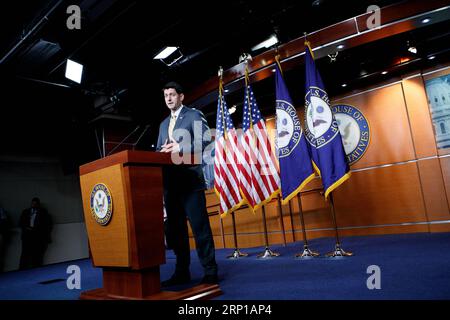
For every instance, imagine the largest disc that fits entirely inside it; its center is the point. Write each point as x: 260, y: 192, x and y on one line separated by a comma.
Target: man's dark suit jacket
x: 42, y: 226
x: 189, y: 121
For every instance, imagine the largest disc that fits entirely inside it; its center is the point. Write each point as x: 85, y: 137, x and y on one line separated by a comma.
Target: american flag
x: 226, y: 161
x: 260, y: 180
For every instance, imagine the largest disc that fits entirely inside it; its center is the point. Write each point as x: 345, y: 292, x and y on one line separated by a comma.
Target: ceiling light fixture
x: 384, y: 72
x: 167, y: 51
x: 169, y: 55
x: 426, y: 20
x: 266, y: 43
x: 411, y: 47
x: 74, y: 71
x: 412, y: 50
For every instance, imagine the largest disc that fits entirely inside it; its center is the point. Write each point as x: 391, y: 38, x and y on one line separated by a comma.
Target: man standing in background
x: 4, y: 235
x: 36, y: 226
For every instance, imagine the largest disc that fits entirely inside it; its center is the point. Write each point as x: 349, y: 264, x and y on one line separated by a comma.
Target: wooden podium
x: 123, y: 210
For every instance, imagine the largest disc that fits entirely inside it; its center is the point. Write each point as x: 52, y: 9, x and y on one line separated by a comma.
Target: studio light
x: 167, y: 51
x: 74, y: 71
x: 169, y: 55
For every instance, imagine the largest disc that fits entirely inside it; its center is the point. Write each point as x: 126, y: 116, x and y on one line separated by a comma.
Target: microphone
x: 121, y: 142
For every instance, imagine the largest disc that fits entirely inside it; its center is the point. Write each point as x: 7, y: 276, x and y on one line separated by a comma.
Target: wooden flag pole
x: 307, y: 253
x: 267, y: 252
x: 338, y: 251
x: 236, y: 253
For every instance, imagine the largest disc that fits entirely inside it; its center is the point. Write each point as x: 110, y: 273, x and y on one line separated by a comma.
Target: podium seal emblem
x: 101, y: 204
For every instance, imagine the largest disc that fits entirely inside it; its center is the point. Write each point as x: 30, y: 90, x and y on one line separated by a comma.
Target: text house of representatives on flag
x: 296, y: 168
x: 226, y: 161
x: 260, y: 180
x: 322, y: 131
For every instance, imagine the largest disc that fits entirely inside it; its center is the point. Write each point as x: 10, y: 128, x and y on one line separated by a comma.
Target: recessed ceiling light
x: 426, y: 20
x: 384, y: 72
x: 272, y: 40
x: 431, y: 57
x: 341, y: 46
x: 412, y: 50
x: 343, y: 85
x: 362, y: 72
x: 273, y: 70
x: 226, y: 90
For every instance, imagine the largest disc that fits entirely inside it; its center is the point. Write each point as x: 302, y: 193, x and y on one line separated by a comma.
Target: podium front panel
x: 109, y: 243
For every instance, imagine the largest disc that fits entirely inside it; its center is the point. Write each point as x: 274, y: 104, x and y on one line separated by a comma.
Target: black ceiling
x: 42, y: 110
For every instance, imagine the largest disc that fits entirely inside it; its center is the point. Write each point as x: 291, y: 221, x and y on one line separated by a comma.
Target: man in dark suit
x: 36, y: 226
x: 185, y: 132
x: 4, y: 235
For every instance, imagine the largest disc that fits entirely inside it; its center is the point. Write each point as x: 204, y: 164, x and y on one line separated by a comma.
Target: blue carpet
x: 413, y: 266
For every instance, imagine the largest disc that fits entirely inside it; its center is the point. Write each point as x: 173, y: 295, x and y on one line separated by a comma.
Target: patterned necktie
x: 173, y: 119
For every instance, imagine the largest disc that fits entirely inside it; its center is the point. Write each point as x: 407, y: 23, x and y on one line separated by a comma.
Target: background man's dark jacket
x: 42, y: 226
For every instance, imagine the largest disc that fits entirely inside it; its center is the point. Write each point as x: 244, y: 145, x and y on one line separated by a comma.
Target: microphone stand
x: 140, y: 136
x: 120, y: 143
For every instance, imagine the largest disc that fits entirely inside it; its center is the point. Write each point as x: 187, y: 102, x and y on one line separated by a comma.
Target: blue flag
x: 322, y: 131
x: 296, y: 168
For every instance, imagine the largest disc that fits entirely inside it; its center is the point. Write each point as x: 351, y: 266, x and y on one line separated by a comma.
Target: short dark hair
x: 36, y: 199
x: 174, y: 85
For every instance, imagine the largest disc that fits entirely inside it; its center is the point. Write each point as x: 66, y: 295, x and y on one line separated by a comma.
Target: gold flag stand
x: 236, y: 253
x: 267, y: 252
x: 307, y: 253
x: 338, y: 251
